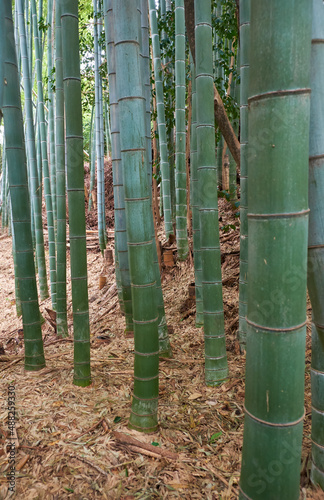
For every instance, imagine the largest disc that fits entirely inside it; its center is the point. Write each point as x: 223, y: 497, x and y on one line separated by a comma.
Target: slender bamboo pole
x: 245, y: 14
x: 138, y: 214
x: 46, y: 178
x: 100, y: 163
x: 17, y: 175
x: 164, y: 154
x: 61, y: 311
x: 277, y: 251
x: 180, y: 126
x: 195, y: 204
x: 31, y: 153
x: 75, y: 183
x: 51, y: 107
x: 216, y: 369
x: 316, y: 240
x: 92, y: 151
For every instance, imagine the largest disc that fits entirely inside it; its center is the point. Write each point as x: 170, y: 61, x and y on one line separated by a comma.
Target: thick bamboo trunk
x: 277, y: 250
x: 131, y: 103
x: 18, y: 184
x: 118, y: 181
x: 164, y: 342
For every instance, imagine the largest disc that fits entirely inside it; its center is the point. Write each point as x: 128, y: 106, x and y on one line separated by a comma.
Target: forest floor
x: 74, y: 442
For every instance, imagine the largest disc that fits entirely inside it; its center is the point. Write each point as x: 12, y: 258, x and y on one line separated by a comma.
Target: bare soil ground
x: 74, y: 442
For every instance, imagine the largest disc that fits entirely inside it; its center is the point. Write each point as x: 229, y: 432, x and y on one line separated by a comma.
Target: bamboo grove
x: 184, y: 95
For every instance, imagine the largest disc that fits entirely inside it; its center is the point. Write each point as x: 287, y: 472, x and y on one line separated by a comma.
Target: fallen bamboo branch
x: 132, y: 442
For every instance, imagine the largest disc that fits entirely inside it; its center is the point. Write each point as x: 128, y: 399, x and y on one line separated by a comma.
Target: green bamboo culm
x: 18, y: 185
x: 279, y: 107
x: 31, y: 154
x: 61, y: 311
x: 316, y: 241
x: 99, y: 133
x: 216, y: 369
x: 163, y: 146
x: 51, y: 115
x: 92, y: 152
x: 220, y: 76
x: 245, y: 14
x: 180, y: 126
x: 164, y: 341
x: 121, y: 248
x: 131, y: 104
x: 17, y: 295
x: 42, y: 138
x: 4, y: 180
x: 195, y: 203
x: 75, y: 183
x: 235, y: 91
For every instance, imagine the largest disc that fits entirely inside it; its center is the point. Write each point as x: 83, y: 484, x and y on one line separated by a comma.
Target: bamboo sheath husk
x: 279, y: 106
x: 316, y: 241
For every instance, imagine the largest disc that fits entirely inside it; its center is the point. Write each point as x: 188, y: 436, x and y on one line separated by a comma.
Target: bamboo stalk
x: 138, y: 214
x: 17, y: 176
x: 316, y: 240
x: 216, y: 369
x: 277, y: 251
x: 75, y: 183
x: 180, y: 132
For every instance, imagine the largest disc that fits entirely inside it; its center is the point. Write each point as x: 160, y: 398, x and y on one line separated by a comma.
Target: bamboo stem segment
x: 20, y: 206
x: 75, y: 183
x: 216, y: 369
x: 316, y: 240
x: 277, y: 250
x: 131, y: 103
